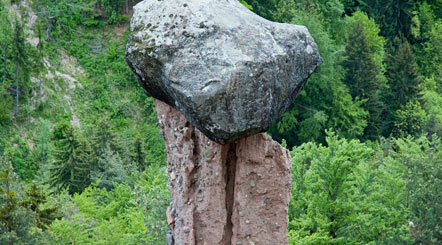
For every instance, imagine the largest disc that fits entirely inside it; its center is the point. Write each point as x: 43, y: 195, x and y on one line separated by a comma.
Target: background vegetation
x: 82, y: 159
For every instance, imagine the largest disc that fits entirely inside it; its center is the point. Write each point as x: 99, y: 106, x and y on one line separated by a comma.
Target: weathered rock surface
x: 224, y: 194
x: 229, y: 71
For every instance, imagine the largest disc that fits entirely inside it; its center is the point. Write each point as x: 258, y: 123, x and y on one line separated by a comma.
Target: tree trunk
x: 224, y: 194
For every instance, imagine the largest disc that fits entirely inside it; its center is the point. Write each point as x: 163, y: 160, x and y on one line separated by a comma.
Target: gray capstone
x: 229, y: 71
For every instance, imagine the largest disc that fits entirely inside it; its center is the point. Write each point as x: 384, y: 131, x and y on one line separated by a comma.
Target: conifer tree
x: 36, y: 201
x: 403, y: 80
x: 362, y: 77
x: 139, y: 155
x: 15, y: 221
x: 71, y: 167
x: 393, y: 16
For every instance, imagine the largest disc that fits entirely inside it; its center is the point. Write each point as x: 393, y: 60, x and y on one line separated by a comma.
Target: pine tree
x: 71, y: 167
x: 362, y: 78
x: 403, y: 80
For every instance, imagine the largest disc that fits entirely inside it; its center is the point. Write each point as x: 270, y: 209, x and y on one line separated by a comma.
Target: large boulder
x: 229, y: 71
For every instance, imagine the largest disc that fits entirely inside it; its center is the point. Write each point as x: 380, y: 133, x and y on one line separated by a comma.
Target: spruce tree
x: 71, y: 167
x: 403, y: 80
x: 361, y: 78
x: 393, y: 16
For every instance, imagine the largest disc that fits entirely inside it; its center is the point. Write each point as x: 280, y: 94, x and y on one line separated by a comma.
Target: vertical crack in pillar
x: 194, y: 180
x: 230, y: 169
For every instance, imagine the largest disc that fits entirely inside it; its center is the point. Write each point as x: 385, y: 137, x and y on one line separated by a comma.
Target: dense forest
x: 82, y: 159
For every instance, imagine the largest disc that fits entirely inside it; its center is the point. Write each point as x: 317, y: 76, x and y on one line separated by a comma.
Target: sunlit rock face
x: 229, y: 71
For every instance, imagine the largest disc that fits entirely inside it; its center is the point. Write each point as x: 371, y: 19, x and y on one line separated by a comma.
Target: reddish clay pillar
x: 224, y: 194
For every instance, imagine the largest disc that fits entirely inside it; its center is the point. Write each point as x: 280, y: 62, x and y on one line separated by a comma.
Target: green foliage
x: 423, y: 159
x: 5, y: 66
x: 433, y: 108
x: 16, y: 221
x: 393, y: 16
x: 22, y: 160
x: 403, y: 81
x: 362, y: 77
x: 328, y: 13
x: 104, y: 138
x: 71, y: 166
x: 35, y: 200
x: 125, y: 215
x: 351, y: 6
x: 431, y: 62
x: 264, y: 8
x: 336, y: 108
x: 246, y: 4
x: 21, y: 62
x: 346, y: 193
x: 375, y: 41
x: 43, y: 148
x: 110, y: 170
x: 409, y: 120
x: 112, y: 9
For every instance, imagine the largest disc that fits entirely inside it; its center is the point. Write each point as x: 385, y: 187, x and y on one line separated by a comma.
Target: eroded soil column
x: 224, y: 194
